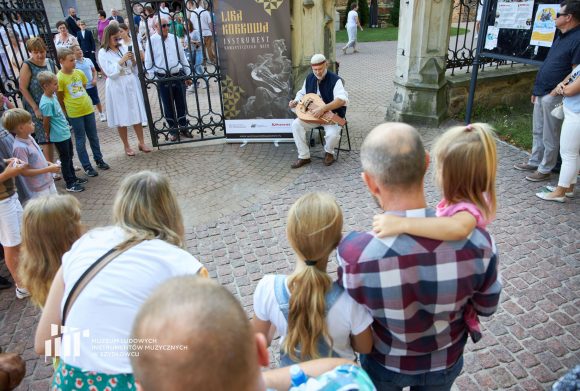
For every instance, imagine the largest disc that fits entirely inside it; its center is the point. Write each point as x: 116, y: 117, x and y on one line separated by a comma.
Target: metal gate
x: 183, y: 99
x: 20, y: 20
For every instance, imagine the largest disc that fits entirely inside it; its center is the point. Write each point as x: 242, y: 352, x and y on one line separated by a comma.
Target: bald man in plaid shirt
x: 415, y: 288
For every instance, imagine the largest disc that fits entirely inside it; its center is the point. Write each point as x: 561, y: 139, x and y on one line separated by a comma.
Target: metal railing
x: 463, y: 44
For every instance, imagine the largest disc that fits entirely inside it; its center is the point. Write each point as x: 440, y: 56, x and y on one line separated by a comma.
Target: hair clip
x: 309, y: 262
x: 469, y: 127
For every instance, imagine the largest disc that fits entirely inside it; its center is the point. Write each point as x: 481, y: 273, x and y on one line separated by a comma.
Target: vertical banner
x: 255, y: 60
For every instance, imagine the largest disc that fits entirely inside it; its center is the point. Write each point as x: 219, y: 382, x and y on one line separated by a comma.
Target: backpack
x: 283, y: 299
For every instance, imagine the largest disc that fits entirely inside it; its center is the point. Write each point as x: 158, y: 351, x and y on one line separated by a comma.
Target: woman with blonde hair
x: 315, y: 316
x: 50, y: 226
x: 107, y: 275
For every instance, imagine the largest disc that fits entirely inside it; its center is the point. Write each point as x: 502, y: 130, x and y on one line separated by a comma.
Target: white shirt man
x: 166, y: 59
x: 329, y: 87
x: 155, y: 63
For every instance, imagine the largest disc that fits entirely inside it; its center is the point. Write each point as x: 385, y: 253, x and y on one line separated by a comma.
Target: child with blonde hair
x: 465, y: 169
x: 36, y: 171
x: 50, y: 226
x: 313, y: 314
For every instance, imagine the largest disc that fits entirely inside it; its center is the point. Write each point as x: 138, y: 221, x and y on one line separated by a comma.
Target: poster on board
x: 545, y: 25
x: 255, y: 58
x: 514, y: 14
x: 491, y: 38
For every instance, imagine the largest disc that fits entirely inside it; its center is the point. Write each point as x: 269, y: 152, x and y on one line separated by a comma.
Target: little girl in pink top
x: 465, y: 169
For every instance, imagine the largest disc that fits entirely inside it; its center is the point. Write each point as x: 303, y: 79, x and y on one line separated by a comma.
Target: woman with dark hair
x: 101, y: 24
x: 64, y: 39
x: 124, y: 101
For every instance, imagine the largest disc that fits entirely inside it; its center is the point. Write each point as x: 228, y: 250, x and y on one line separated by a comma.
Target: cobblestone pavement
x: 235, y: 202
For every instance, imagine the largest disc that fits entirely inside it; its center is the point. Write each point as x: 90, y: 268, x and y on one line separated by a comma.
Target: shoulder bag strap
x: 88, y: 275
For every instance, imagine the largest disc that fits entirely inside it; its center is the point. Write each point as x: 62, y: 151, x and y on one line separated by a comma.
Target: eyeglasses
x: 164, y: 25
x: 559, y: 14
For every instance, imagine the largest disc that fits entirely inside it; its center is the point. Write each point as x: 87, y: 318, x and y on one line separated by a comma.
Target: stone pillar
x: 420, y: 83
x: 312, y: 25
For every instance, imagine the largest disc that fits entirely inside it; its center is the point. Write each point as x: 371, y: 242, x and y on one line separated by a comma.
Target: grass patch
x: 370, y: 35
x: 382, y: 34
x: 512, y: 123
x: 458, y: 31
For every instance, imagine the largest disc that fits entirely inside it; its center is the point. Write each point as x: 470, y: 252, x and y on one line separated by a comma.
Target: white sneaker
x: 102, y: 117
x: 22, y: 293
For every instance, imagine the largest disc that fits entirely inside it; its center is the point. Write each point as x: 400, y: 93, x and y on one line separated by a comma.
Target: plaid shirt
x: 416, y: 289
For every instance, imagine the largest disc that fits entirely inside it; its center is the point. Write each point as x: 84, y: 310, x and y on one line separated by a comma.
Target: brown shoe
x: 300, y: 162
x: 328, y: 159
x: 537, y: 176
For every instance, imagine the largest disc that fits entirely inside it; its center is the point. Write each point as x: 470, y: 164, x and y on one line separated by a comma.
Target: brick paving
x: 235, y: 201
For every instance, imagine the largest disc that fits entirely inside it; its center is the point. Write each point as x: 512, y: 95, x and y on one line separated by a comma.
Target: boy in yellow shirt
x: 78, y: 108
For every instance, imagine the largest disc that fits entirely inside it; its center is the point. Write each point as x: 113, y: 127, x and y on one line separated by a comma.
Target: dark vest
x: 326, y: 87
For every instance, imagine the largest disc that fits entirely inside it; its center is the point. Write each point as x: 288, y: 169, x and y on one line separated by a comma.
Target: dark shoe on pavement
x: 186, y: 134
x: 81, y: 181
x: 525, y: 167
x: 91, y: 172
x: 328, y: 159
x: 300, y: 162
x: 4, y: 283
x: 76, y: 188
x: 172, y: 138
x: 102, y: 165
x: 538, y: 177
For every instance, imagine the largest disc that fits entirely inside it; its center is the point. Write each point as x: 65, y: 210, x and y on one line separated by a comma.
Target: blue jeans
x: 86, y: 127
x: 386, y: 380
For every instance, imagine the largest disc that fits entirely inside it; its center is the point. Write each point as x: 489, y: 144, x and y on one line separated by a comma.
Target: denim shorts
x: 387, y: 380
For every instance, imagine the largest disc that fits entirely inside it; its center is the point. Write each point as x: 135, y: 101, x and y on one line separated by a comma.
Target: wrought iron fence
x: 465, y: 23
x: 176, y: 115
x: 19, y: 21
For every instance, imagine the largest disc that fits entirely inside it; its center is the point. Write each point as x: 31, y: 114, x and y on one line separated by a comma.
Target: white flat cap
x: 317, y: 59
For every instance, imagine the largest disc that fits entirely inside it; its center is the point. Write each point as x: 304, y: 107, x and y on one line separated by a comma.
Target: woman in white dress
x: 125, y: 106
x: 352, y: 22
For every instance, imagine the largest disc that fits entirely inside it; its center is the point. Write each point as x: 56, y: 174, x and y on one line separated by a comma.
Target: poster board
x: 519, y: 30
x: 255, y: 58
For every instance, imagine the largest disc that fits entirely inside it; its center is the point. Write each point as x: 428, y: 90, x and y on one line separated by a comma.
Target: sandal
x: 129, y: 152
x: 145, y: 148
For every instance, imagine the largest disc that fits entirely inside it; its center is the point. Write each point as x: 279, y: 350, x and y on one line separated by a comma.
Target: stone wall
x: 464, y: 13
x: 385, y: 7
x: 86, y: 10
x: 503, y: 86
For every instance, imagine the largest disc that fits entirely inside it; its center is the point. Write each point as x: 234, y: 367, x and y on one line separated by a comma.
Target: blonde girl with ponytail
x: 313, y: 315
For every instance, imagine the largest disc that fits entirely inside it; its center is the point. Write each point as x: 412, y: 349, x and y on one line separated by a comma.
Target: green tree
x: 394, y: 15
x: 363, y: 11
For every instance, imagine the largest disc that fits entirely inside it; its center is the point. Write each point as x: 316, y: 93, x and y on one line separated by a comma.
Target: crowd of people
x: 409, y: 292
x: 133, y: 281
